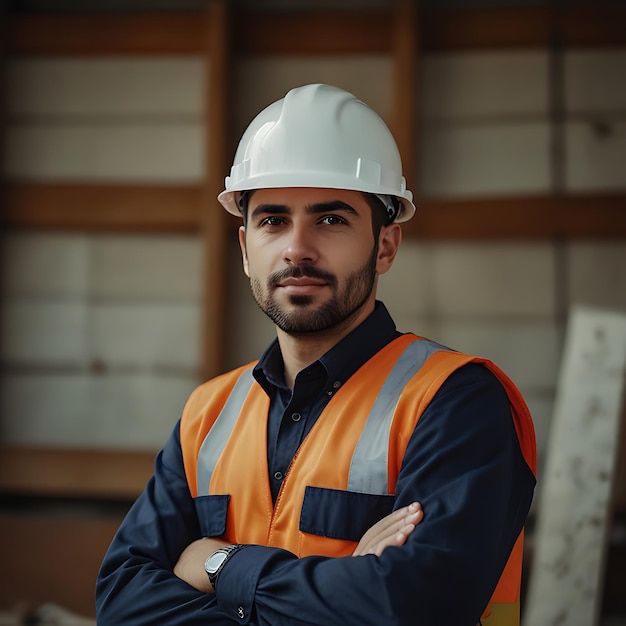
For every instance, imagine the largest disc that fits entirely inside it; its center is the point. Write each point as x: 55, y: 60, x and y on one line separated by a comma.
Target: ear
x: 244, y: 253
x: 389, y: 240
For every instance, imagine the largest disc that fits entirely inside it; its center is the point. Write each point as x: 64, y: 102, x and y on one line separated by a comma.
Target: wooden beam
x: 74, y: 472
x: 313, y: 32
x: 504, y: 27
x: 126, y: 208
x: 522, y: 27
x: 214, y: 221
x: 524, y: 217
x: 106, y: 34
x: 179, y: 209
x: 593, y: 25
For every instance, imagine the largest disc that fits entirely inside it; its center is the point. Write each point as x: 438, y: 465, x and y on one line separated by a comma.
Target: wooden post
x: 405, y: 72
x: 213, y: 219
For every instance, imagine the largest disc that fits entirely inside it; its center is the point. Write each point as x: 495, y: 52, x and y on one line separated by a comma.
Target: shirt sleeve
x: 136, y: 584
x: 464, y: 464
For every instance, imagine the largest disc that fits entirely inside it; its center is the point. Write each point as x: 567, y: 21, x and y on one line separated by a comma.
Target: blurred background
x: 121, y: 280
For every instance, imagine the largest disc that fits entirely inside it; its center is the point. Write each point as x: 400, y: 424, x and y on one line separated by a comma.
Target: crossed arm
x: 392, y: 530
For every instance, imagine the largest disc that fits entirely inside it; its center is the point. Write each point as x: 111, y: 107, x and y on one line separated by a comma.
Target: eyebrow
x: 333, y: 206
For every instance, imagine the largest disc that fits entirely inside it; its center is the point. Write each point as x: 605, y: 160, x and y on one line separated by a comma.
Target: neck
x: 301, y: 350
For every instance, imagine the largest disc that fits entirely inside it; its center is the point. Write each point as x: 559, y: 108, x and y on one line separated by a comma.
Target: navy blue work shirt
x: 463, y: 463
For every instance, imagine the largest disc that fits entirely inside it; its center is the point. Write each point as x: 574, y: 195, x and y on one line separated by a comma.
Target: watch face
x: 215, y: 561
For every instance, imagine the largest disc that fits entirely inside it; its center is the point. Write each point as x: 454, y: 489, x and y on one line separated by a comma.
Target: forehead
x: 297, y: 197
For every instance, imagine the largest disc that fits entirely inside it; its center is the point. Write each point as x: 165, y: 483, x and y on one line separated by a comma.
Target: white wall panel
x: 407, y: 289
x: 111, y: 119
x: 156, y: 336
x: 79, y: 307
x: 46, y: 409
x: 249, y: 330
x: 45, y: 264
x: 137, y: 412
x: 596, y: 155
x: 597, y: 274
x: 105, y: 87
x: 489, y: 280
x: 164, y: 267
x: 106, y: 152
x: 458, y: 160
x: 528, y: 351
x: 595, y: 80
x: 44, y: 333
x: 262, y: 80
x: 484, y: 84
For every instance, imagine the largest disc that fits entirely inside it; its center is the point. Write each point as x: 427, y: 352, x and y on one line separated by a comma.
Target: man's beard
x: 343, y: 303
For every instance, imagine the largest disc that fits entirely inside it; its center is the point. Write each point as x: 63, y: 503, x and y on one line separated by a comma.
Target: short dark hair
x: 380, y: 216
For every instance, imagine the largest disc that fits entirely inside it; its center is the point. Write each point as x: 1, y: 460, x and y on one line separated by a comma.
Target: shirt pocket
x: 340, y: 517
x: 212, y: 512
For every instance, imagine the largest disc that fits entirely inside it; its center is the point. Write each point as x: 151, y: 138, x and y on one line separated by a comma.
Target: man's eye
x: 332, y: 219
x: 272, y: 221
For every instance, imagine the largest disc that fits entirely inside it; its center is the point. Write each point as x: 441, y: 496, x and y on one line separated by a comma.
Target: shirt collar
x: 342, y: 360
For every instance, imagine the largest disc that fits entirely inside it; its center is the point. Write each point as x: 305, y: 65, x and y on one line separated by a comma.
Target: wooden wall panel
x: 299, y: 33
x: 535, y: 217
x: 74, y: 472
x: 106, y: 34
x: 67, y: 552
x: 112, y: 208
x: 180, y: 209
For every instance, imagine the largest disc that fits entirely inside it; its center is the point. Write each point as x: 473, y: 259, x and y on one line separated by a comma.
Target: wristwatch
x: 214, y: 564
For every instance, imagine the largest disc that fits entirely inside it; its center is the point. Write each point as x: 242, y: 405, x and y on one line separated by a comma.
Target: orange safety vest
x: 356, y: 445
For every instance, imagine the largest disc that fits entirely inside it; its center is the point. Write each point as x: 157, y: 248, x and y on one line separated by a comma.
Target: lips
x: 301, y: 286
x: 302, y: 282
x: 299, y: 278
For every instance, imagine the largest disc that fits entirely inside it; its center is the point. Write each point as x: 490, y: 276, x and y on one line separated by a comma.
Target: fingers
x: 392, y: 530
x: 406, y: 514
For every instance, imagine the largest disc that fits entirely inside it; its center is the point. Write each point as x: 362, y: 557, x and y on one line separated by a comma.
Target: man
x: 353, y: 475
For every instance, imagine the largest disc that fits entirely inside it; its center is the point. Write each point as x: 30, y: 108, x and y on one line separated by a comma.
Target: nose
x: 300, y: 246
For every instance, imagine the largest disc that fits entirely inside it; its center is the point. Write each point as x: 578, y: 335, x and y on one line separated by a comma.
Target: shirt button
x: 337, y: 384
x: 278, y: 475
x: 296, y: 417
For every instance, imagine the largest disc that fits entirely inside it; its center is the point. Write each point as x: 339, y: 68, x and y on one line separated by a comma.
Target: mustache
x: 301, y: 271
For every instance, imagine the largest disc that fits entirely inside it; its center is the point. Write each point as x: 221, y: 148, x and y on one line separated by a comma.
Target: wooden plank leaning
x: 574, y: 514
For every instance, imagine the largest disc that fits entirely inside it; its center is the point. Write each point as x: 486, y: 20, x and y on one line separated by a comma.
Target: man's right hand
x: 390, y: 531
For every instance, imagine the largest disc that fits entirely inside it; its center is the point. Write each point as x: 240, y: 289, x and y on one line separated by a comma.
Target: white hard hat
x: 318, y: 136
